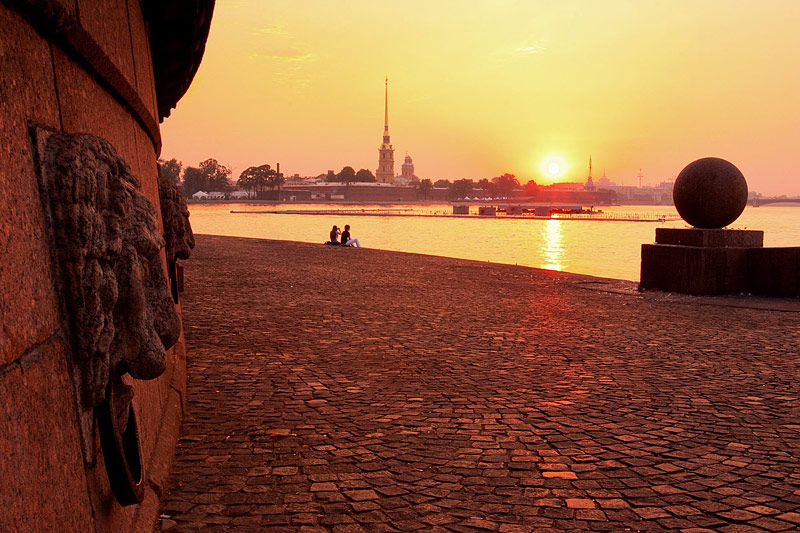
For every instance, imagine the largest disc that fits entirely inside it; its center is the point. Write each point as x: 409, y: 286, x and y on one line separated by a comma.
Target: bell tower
x: 385, y: 172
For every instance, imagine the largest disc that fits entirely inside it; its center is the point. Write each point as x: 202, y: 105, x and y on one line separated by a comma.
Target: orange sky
x: 482, y: 87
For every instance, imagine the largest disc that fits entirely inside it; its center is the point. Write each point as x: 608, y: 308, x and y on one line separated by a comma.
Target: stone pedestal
x: 699, y: 261
x: 711, y: 193
x: 710, y: 238
x: 774, y: 271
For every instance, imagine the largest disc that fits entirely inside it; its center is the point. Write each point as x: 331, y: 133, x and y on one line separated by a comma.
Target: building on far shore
x: 589, y: 186
x: 407, y: 176
x: 385, y: 172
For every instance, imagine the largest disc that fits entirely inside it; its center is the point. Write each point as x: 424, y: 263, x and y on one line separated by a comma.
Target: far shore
x: 515, y: 201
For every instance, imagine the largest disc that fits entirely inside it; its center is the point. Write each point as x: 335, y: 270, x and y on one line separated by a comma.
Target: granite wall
x: 69, y: 66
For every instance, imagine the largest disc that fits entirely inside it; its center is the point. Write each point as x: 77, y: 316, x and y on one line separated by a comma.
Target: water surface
x: 598, y: 248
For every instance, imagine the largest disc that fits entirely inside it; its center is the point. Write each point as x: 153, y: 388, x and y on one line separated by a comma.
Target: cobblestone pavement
x: 359, y: 390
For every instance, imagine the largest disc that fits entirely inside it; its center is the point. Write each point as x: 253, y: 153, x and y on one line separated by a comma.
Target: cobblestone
x: 359, y: 390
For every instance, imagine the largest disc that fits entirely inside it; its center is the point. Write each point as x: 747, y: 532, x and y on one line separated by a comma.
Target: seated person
x: 346, y: 240
x: 334, y: 236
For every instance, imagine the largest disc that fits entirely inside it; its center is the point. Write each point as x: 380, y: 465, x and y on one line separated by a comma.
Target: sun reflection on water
x: 553, y: 249
x: 597, y: 248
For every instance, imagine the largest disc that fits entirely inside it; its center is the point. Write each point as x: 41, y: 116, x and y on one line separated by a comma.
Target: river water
x: 595, y: 247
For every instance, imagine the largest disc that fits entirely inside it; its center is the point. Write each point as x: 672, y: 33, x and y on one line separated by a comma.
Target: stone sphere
x: 710, y: 193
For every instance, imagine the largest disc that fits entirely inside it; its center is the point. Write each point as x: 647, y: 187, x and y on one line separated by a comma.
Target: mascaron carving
x: 175, y: 216
x: 121, y: 316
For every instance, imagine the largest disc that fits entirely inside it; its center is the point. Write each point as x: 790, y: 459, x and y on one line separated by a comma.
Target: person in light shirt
x: 346, y: 240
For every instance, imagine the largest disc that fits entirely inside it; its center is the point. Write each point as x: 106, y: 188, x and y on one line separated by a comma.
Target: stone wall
x: 69, y: 66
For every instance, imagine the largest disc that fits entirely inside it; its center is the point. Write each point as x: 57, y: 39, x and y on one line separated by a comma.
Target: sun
x: 553, y: 167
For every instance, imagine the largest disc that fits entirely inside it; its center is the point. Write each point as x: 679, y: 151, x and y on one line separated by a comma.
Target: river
x: 595, y: 247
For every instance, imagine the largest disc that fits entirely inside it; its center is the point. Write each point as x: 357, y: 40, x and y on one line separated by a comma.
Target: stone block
x: 716, y: 238
x: 143, y: 62
x: 774, y: 271
x: 28, y: 305
x: 107, y: 22
x: 105, y: 117
x: 146, y: 169
x: 179, y: 371
x: 42, y: 472
x: 160, y: 460
x: 109, y: 515
x: 160, y: 411
x: 694, y: 270
x: 149, y: 399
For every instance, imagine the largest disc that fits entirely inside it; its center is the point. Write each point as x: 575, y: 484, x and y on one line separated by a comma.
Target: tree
x: 505, y: 185
x: 531, y: 189
x: 484, y: 185
x: 246, y: 181
x: 461, y: 188
x: 442, y: 184
x: 194, y: 180
x: 274, y: 179
x: 425, y: 187
x: 364, y: 176
x: 347, y: 175
x: 254, y: 178
x: 170, y: 170
x: 216, y: 174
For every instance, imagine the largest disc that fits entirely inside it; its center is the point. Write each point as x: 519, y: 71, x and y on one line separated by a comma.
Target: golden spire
x: 386, y: 106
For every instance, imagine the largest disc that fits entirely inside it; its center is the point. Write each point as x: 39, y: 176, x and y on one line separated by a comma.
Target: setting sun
x: 553, y: 167
x: 665, y: 89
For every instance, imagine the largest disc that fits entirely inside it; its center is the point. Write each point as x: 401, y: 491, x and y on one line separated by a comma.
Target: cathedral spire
x: 385, y: 172
x: 386, y: 106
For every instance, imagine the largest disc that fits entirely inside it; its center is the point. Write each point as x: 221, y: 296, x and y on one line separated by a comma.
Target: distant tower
x: 589, y: 186
x: 640, y: 176
x: 385, y: 172
x: 604, y: 181
x: 408, y: 169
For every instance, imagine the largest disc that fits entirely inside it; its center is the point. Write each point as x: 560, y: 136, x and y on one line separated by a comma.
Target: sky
x: 478, y: 88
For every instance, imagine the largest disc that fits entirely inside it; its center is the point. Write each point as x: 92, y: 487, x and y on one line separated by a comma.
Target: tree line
x: 504, y: 186
x: 210, y: 175
x: 500, y: 186
x: 349, y: 175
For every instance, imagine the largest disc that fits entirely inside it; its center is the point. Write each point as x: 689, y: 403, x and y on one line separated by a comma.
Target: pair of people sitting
x: 346, y: 240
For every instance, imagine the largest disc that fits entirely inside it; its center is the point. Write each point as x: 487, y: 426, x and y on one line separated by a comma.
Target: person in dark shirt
x: 346, y: 240
x: 334, y: 236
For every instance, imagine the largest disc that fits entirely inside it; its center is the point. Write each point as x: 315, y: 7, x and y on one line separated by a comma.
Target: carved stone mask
x: 175, y: 217
x: 120, y: 312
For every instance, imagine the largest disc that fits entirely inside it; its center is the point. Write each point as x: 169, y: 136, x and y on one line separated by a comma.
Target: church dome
x: 408, y: 159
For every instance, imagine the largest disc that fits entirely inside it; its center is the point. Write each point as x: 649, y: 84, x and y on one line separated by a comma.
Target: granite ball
x: 710, y: 193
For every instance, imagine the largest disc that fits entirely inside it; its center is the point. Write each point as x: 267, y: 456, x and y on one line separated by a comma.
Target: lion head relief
x: 108, y: 245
